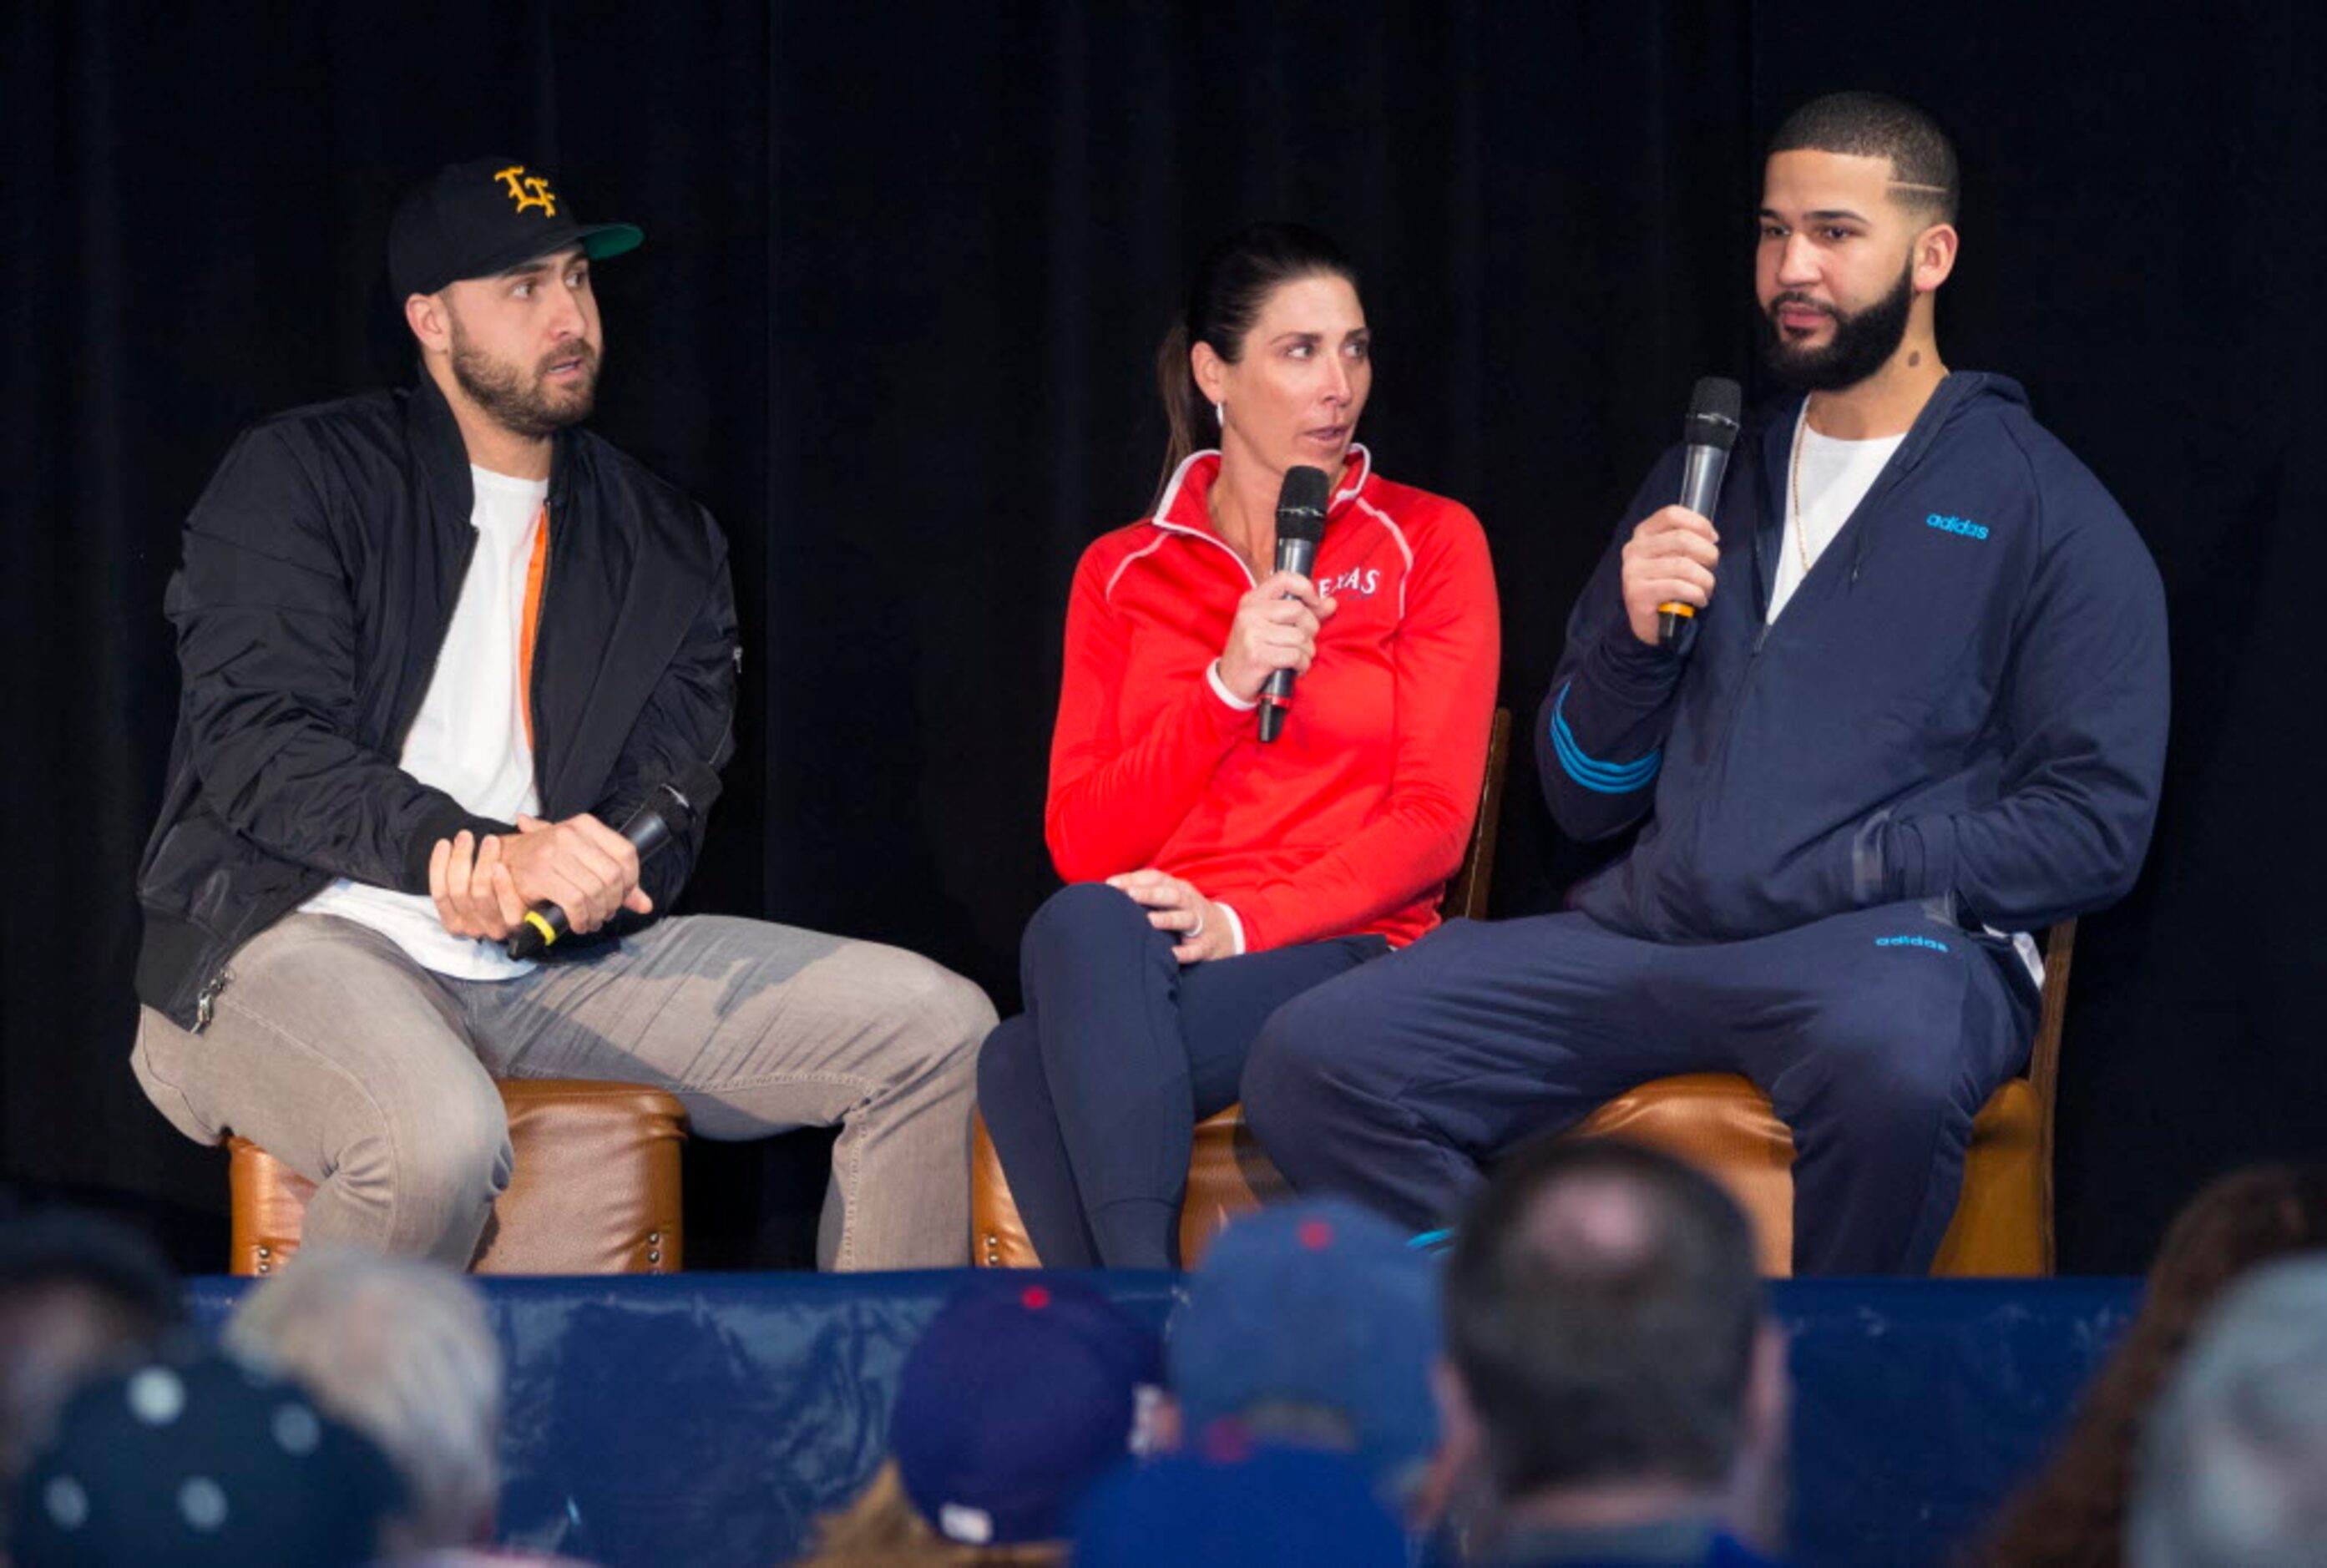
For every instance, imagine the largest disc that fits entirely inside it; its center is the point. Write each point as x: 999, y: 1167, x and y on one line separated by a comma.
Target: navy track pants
x: 1091, y: 1096
x: 1877, y: 1036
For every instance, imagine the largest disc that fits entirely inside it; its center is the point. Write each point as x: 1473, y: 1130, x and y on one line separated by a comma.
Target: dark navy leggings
x: 1092, y: 1094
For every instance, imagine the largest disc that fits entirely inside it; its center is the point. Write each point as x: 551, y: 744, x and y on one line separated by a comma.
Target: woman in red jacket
x: 1214, y: 876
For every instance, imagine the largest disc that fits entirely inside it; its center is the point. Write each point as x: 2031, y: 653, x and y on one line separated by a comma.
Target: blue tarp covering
x: 708, y: 1418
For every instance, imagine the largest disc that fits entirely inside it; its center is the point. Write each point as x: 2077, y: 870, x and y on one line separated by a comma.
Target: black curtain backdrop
x: 894, y: 321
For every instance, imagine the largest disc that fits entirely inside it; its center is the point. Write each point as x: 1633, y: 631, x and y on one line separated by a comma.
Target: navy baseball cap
x: 1016, y: 1398
x: 1314, y: 1322
x: 485, y: 215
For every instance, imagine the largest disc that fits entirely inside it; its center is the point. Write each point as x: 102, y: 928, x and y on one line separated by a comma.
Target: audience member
x: 2232, y: 1464
x: 1016, y: 1398
x: 1313, y: 1325
x: 199, y: 1462
x: 79, y: 1296
x: 2072, y: 1516
x: 488, y: 1557
x: 1614, y: 1389
x: 400, y: 1349
x: 1267, y: 1508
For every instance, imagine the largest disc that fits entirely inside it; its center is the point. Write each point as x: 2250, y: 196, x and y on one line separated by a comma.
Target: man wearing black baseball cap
x: 435, y: 644
x: 495, y: 219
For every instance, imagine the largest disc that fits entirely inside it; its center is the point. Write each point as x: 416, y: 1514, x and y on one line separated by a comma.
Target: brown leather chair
x: 1228, y: 1174
x: 595, y: 1189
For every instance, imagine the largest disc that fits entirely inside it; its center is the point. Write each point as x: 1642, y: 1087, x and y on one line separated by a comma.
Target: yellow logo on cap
x: 530, y: 190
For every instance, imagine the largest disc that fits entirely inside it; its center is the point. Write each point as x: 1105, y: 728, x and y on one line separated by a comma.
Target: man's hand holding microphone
x: 1672, y: 554
x: 484, y: 887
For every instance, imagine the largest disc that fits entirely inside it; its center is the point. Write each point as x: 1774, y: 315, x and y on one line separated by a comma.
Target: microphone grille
x: 1301, y: 503
x: 1713, y: 408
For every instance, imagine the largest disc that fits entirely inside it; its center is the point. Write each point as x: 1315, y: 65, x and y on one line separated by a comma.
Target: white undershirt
x: 470, y: 738
x: 1835, y: 476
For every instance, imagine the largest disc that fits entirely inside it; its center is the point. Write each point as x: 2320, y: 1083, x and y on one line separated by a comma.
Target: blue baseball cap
x: 1017, y: 1397
x: 1314, y: 1322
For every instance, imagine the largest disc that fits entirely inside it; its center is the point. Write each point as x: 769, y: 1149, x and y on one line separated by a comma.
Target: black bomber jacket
x: 320, y: 573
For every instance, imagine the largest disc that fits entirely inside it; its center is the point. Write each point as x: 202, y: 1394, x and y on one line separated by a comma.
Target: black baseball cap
x: 202, y: 1460
x: 485, y: 216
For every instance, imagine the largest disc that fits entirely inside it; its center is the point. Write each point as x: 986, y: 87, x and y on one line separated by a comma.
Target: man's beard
x: 523, y: 408
x: 1863, y: 343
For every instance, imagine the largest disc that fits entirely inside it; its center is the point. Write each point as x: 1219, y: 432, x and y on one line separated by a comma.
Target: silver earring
x: 1220, y: 414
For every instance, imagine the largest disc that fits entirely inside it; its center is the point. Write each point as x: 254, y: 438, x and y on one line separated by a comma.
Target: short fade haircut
x: 1871, y: 124
x: 68, y: 1265
x: 1602, y: 1308
x: 2233, y: 1460
x: 49, y: 1247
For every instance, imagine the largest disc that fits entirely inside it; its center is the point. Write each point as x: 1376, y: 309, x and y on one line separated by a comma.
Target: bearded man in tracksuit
x: 1921, y: 713
x: 434, y: 644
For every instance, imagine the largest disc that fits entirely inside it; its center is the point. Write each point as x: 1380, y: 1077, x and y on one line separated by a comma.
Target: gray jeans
x: 373, y: 1077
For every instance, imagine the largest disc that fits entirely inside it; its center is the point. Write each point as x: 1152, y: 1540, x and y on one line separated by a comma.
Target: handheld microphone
x: 649, y: 829
x: 1300, y: 527
x: 1710, y: 430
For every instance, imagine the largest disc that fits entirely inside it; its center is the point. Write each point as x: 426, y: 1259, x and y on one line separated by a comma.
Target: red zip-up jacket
x: 1351, y: 820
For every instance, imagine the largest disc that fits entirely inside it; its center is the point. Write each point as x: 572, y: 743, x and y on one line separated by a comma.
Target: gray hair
x: 2233, y: 1461
x: 398, y: 1347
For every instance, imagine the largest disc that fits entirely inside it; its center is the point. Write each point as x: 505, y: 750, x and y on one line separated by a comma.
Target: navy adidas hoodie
x: 1964, y: 703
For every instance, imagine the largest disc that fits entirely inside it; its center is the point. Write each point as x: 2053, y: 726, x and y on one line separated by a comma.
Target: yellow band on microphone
x: 548, y: 932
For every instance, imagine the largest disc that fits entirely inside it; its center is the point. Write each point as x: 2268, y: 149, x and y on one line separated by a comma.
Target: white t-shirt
x: 1835, y: 476
x: 470, y: 737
